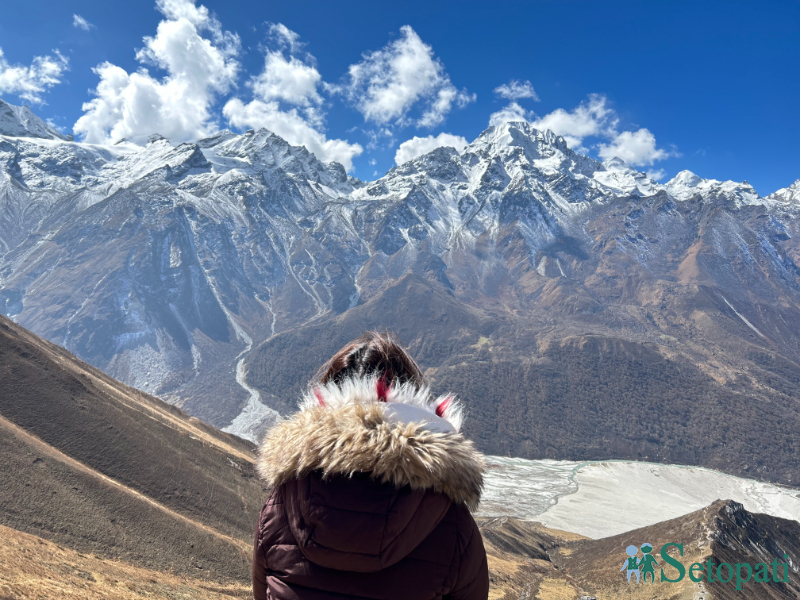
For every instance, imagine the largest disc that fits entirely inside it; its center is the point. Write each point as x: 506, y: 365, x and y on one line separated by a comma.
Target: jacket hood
x: 369, y: 472
x: 348, y: 428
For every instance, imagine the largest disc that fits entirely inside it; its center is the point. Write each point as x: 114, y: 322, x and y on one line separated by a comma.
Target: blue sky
x: 713, y: 87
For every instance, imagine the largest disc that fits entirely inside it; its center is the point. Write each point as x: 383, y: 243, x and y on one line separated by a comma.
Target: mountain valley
x: 582, y: 310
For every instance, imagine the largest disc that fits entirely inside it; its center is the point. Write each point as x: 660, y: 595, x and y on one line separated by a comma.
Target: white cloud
x: 81, y: 23
x: 387, y: 83
x: 289, y: 80
x: 198, y: 68
x: 515, y: 89
x: 186, y: 10
x: 657, y: 174
x: 376, y: 135
x: 636, y: 148
x: 509, y: 113
x: 591, y: 119
x: 417, y: 146
x: 285, y: 36
x: 31, y: 82
x: 294, y: 82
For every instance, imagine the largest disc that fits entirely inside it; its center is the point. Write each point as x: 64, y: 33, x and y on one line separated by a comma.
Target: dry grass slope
x: 35, y: 569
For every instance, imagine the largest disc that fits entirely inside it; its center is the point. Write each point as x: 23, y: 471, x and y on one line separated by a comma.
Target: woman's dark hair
x: 373, y: 353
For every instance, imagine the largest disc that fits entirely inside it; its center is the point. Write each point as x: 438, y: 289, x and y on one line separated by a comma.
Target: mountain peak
x: 520, y: 133
x: 21, y: 121
x: 685, y: 185
x: 617, y: 164
x: 687, y: 179
x: 545, y: 149
x: 221, y: 136
x: 789, y: 194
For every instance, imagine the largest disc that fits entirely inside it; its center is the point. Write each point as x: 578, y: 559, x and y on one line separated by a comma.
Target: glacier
x: 603, y: 498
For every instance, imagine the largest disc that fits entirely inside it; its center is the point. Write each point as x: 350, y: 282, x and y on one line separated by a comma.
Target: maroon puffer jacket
x: 369, y: 500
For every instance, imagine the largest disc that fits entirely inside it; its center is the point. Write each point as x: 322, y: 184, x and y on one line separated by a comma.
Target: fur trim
x: 350, y: 433
x: 362, y: 390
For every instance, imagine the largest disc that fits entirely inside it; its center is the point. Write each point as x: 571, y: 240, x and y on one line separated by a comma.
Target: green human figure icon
x: 647, y: 563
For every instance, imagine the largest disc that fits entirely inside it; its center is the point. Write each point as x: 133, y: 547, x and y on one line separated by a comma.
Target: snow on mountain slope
x: 167, y: 239
x: 605, y: 498
x: 624, y: 179
x: 20, y: 121
x: 169, y: 266
x: 789, y: 195
x: 686, y: 185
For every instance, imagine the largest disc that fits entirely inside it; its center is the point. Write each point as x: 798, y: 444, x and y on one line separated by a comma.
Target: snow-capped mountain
x: 686, y: 184
x: 790, y: 194
x: 20, y: 121
x: 219, y: 274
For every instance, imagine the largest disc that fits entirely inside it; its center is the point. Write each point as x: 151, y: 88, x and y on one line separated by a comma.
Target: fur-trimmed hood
x: 360, y: 426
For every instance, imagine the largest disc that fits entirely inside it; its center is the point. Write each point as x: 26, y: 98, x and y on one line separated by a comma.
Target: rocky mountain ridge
x: 528, y: 560
x: 191, y: 271
x: 789, y: 195
x: 21, y: 121
x: 723, y: 532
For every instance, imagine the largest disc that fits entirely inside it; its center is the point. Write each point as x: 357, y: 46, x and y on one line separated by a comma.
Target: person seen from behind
x: 372, y: 488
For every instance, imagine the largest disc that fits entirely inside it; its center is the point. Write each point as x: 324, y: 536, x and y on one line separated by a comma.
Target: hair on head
x: 372, y: 354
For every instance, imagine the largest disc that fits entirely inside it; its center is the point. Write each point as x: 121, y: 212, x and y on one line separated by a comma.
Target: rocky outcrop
x: 527, y: 559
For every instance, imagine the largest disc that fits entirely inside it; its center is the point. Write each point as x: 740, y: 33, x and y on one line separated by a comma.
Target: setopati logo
x: 737, y: 573
x: 643, y: 567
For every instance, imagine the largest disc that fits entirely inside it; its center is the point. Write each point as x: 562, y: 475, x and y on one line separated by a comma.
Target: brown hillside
x: 519, y: 560
x: 722, y: 532
x: 94, y: 465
